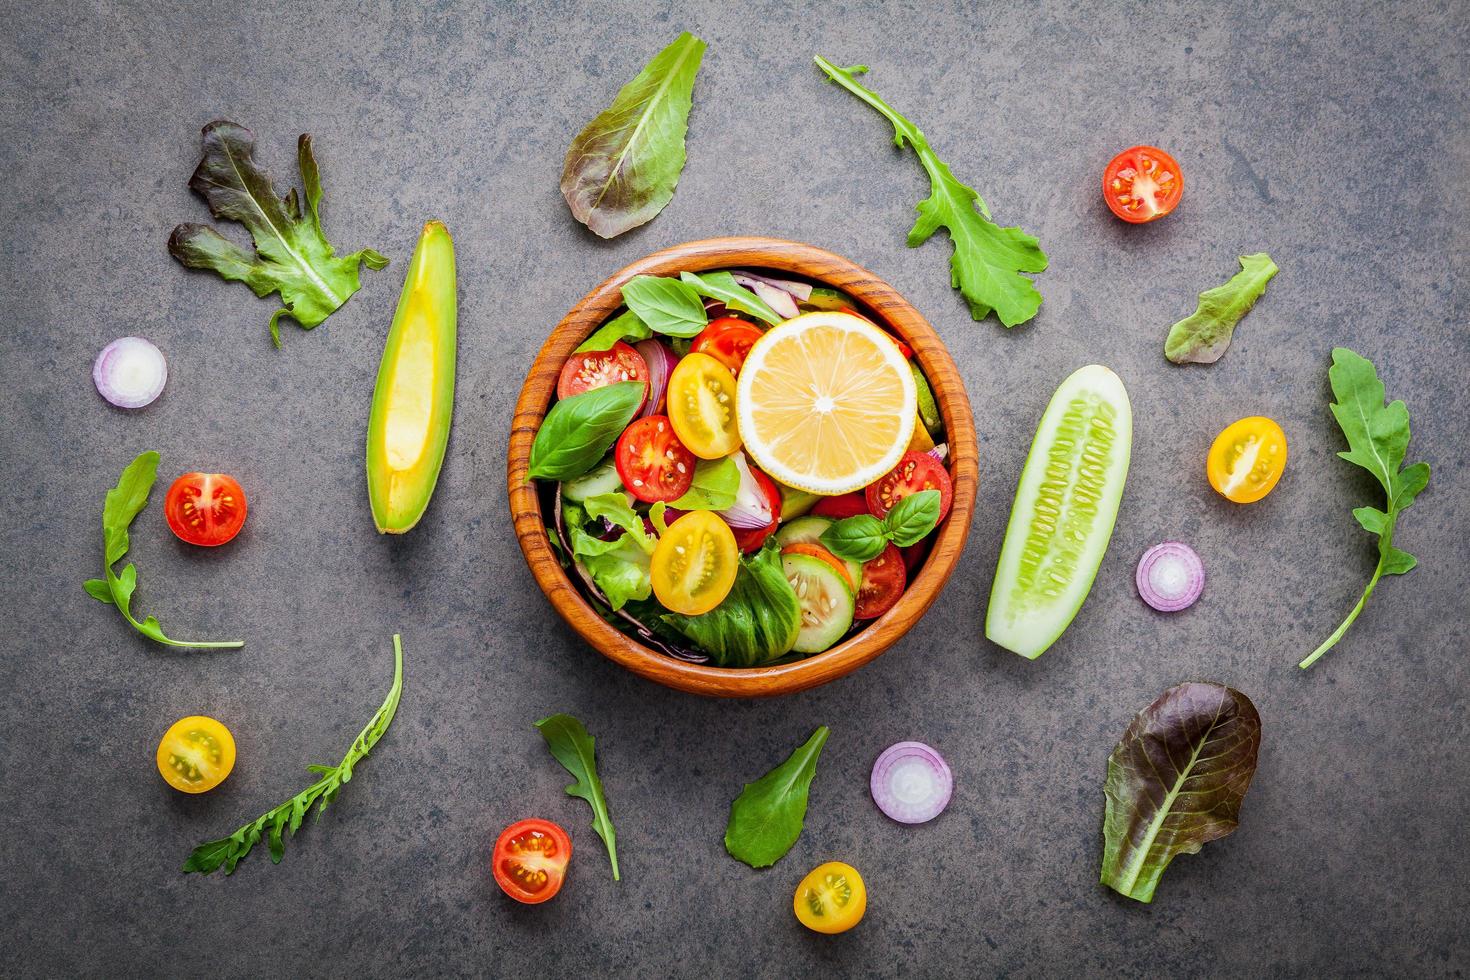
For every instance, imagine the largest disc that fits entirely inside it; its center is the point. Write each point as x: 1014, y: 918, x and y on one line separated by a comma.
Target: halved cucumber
x: 808, y: 530
x: 1064, y: 511
x: 602, y: 478
x: 827, y: 604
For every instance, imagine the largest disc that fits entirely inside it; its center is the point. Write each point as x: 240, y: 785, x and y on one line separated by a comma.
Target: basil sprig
x: 863, y: 538
x: 578, y: 431
x: 666, y: 306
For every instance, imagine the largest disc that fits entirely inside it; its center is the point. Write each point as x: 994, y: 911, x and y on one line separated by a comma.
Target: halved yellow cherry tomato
x: 695, y: 562
x: 702, y: 406
x: 1247, y: 459
x: 832, y: 898
x: 196, y: 754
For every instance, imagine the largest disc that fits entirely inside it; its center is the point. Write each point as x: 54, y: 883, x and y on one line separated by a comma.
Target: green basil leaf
x: 569, y: 742
x: 625, y: 326
x: 767, y: 817
x: 859, y: 538
x: 715, y: 485
x: 723, y: 287
x: 1204, y: 335
x: 665, y: 305
x: 913, y: 517
x: 579, y: 430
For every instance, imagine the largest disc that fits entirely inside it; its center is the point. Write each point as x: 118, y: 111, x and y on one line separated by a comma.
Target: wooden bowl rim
x: 817, y: 265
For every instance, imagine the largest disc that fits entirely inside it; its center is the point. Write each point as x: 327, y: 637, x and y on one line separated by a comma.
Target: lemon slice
x: 826, y: 403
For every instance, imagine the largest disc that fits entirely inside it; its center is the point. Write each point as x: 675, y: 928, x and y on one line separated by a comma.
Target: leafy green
x: 767, y: 817
x: 665, y: 305
x: 122, y: 505
x: 615, y: 507
x: 283, y: 821
x: 624, y: 326
x: 755, y: 624
x: 1378, y: 438
x: 1204, y: 335
x: 863, y: 537
x: 620, y: 567
x: 579, y: 430
x: 1175, y: 782
x: 292, y: 255
x: 568, y: 740
x: 621, y: 169
x: 723, y: 287
x: 988, y: 260
x: 715, y: 485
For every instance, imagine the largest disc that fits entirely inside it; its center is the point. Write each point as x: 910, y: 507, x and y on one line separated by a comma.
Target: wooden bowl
x: 819, y: 266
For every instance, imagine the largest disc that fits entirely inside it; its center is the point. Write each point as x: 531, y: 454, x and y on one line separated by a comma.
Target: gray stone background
x: 1332, y: 135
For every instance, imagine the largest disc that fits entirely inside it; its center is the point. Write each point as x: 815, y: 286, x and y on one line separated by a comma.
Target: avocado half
x: 413, y: 401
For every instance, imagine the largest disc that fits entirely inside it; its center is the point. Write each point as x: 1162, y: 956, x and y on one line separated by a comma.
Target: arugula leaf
x: 621, y: 169
x: 568, y: 740
x: 624, y: 326
x: 863, y: 536
x: 578, y: 431
x: 122, y: 505
x: 988, y: 260
x: 665, y: 305
x: 723, y: 287
x: 1378, y: 438
x: 755, y: 624
x: 1204, y: 335
x: 714, y: 487
x: 292, y: 255
x: 767, y: 817
x: 283, y: 821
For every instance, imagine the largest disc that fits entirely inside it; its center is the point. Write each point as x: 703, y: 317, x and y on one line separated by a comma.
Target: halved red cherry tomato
x: 883, y: 582
x: 818, y: 552
x: 651, y: 461
x: 600, y: 368
x: 1142, y: 183
x: 751, y: 539
x: 728, y: 340
x: 206, y: 509
x: 915, y: 471
x: 530, y: 860
x: 846, y: 505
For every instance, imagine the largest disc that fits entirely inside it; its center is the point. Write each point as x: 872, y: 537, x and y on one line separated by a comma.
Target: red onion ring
x: 1170, y: 576
x: 130, y: 372
x: 660, y: 361
x: 752, y: 508
x: 911, y: 782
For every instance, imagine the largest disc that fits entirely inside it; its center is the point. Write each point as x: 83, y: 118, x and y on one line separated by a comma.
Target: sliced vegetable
x: 809, y: 530
x: 915, y: 472
x: 578, y: 431
x: 723, y: 287
x: 1378, y: 439
x: 1142, y: 183
x: 122, y: 505
x: 800, y: 291
x: 1064, y: 511
x: 842, y: 505
x: 882, y: 584
x: 652, y: 463
x: 130, y: 372
x: 826, y: 599
x: 1247, y: 459
x: 831, y: 300
x: 767, y: 817
x: 576, y: 750
x: 621, y: 169
x: 695, y: 564
x: 196, y: 754
x: 660, y: 361
x: 753, y: 506
x: 283, y: 821
x: 814, y: 550
x: 667, y: 306
x: 1175, y: 782
x: 749, y: 539
x: 205, y: 509
x: 413, y: 401
x: 1204, y: 335
x: 601, y: 479
x: 756, y: 624
x: 292, y: 255
x: 781, y: 302
x: 530, y: 860
x: 597, y: 369
x: 702, y: 406
x: 911, y: 783
x: 1170, y: 576
x: 728, y: 340
x: 831, y: 898
x: 988, y: 260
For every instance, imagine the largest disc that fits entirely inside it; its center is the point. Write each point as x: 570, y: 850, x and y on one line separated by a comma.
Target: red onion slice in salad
x: 778, y: 299
x: 751, y: 509
x: 940, y: 452
x: 1170, y: 576
x: 802, y: 291
x: 911, y: 782
x: 660, y: 360
x: 130, y: 372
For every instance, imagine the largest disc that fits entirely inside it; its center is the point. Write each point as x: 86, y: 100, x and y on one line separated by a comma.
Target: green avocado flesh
x: 1064, y: 511
x: 413, y: 401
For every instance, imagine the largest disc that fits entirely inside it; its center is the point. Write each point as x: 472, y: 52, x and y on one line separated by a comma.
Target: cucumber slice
x: 1064, y: 511
x: 827, y: 604
x: 808, y: 530
x: 928, y: 407
x: 602, y: 478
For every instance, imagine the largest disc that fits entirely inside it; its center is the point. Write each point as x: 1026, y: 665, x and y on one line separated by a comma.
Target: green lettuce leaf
x: 757, y: 623
x: 292, y: 255
x: 767, y: 817
x: 715, y: 485
x: 621, y: 169
x: 988, y: 260
x: 620, y: 567
x: 1204, y: 335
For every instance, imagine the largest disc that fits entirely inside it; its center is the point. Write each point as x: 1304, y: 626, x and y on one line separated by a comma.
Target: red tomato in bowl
x: 884, y: 579
x: 651, y: 461
x: 846, y: 505
x: 915, y: 471
x: 530, y: 860
x: 599, y: 368
x: 728, y: 340
x: 206, y: 509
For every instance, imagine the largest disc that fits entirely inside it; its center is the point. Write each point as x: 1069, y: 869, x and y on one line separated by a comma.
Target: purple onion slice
x: 130, y: 372
x: 911, y: 782
x: 1170, y: 576
x: 660, y: 360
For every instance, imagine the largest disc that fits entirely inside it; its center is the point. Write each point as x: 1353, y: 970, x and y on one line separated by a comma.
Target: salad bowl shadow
x: 882, y: 303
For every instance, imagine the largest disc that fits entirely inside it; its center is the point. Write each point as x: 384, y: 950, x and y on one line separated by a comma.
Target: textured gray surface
x: 1332, y: 135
